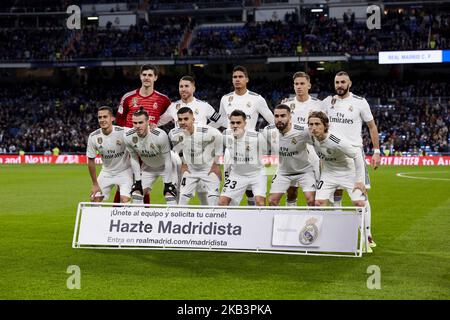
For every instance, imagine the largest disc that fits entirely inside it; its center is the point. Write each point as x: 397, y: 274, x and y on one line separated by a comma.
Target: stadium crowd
x: 410, y: 116
x: 164, y: 37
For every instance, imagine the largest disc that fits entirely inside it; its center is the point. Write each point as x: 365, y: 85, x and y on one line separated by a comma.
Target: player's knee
x: 224, y: 201
x: 97, y: 199
x: 260, y: 201
x: 124, y: 199
x: 273, y: 202
x: 359, y: 203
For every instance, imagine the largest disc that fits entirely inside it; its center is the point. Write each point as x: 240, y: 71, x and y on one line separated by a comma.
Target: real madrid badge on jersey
x: 135, y: 139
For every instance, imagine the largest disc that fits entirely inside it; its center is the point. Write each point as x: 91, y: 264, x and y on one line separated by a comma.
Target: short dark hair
x: 283, y: 107
x: 149, y: 67
x: 301, y: 74
x: 188, y: 78
x: 342, y: 73
x: 238, y: 113
x: 185, y: 110
x: 322, y: 116
x: 141, y: 112
x: 242, y: 69
x: 107, y: 108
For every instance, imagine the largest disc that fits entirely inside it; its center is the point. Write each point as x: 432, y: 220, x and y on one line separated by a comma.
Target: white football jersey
x: 301, y: 110
x: 252, y: 104
x: 290, y: 147
x: 337, y: 154
x: 112, y: 149
x: 198, y: 149
x: 203, y: 112
x: 245, y: 152
x: 347, y: 116
x: 151, y: 148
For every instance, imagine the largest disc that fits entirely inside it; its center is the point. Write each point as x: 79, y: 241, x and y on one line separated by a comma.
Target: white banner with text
x: 219, y: 228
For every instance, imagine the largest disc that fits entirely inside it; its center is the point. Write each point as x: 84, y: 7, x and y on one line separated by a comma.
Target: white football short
x: 107, y: 181
x: 190, y: 182
x: 235, y: 186
x: 281, y: 183
x: 331, y: 181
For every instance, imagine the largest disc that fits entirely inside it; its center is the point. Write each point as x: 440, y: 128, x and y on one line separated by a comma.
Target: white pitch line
x: 404, y: 175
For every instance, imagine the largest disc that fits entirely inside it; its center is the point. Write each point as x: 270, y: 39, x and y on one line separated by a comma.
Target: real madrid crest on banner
x: 310, y: 232
x: 135, y: 139
x: 99, y: 140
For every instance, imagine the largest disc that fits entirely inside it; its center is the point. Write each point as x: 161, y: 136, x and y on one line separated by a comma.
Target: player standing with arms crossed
x: 251, y: 103
x: 347, y: 112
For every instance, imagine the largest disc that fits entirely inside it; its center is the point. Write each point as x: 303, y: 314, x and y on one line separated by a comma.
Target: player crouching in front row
x: 153, y: 148
x: 338, y: 170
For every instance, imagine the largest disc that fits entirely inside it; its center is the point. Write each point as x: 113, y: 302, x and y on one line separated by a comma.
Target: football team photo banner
x: 292, y: 230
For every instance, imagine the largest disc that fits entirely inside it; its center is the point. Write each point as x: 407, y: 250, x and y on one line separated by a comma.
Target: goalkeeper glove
x: 170, y: 188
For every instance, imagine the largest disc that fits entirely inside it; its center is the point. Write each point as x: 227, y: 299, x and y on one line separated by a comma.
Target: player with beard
x: 347, y: 112
x: 288, y: 141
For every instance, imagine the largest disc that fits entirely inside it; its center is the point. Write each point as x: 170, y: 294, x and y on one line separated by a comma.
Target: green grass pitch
x: 411, y: 223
